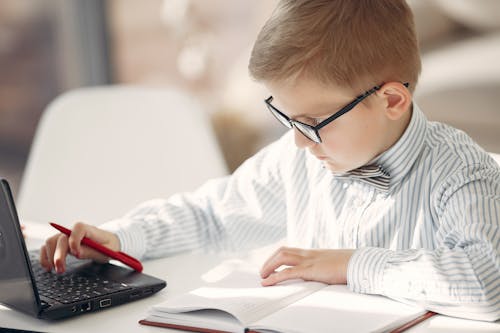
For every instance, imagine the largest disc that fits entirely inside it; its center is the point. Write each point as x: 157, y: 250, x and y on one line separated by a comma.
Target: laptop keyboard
x: 73, y: 287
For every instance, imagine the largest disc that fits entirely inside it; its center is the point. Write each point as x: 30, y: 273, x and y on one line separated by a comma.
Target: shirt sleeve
x: 461, y: 275
x: 234, y: 213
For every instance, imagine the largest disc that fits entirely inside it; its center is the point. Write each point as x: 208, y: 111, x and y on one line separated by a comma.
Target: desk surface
x: 182, y: 274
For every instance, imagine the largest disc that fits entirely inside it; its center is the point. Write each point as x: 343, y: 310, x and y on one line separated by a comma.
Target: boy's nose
x: 301, y: 141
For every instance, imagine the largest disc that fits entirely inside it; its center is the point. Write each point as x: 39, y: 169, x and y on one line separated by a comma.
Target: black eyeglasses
x: 312, y: 132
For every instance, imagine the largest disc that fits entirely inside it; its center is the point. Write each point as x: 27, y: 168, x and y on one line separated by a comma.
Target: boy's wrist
x: 365, y: 271
x: 129, y: 235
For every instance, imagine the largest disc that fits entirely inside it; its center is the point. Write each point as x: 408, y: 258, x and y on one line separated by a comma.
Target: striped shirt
x: 433, y: 238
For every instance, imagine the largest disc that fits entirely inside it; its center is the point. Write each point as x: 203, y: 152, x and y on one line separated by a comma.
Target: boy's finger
x: 91, y: 231
x: 280, y: 259
x: 79, y: 231
x: 43, y: 258
x: 286, y: 274
x: 88, y: 253
x: 60, y: 253
x: 276, y: 253
x: 50, y: 245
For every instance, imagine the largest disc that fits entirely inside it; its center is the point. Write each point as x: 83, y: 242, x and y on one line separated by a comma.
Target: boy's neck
x: 398, y: 130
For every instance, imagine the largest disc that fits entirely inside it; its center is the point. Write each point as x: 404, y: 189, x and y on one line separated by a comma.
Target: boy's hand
x: 328, y: 266
x: 53, y: 253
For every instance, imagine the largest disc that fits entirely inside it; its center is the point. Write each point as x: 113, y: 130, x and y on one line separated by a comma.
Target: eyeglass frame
x: 290, y: 123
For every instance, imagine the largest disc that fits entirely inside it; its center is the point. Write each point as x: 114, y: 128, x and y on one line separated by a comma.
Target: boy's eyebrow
x: 319, y: 114
x: 314, y: 115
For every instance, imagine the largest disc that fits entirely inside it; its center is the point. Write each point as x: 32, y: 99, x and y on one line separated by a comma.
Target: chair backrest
x: 100, y: 151
x: 496, y: 157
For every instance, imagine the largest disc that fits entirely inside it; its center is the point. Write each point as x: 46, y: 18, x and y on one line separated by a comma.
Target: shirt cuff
x: 365, y: 271
x: 130, y: 234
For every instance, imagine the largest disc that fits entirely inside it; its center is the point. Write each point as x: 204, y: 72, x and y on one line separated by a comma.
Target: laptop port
x: 147, y: 292
x: 104, y: 303
x: 135, y: 295
x: 86, y: 306
x: 74, y: 308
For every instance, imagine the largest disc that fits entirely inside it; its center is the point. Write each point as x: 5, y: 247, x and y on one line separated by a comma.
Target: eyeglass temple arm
x: 349, y: 106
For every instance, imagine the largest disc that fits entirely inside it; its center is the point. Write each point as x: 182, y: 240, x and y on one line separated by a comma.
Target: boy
x: 367, y: 191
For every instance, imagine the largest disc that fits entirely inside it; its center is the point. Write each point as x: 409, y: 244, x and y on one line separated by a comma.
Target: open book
x: 238, y: 303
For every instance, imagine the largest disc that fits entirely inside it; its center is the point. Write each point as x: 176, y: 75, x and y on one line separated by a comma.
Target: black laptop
x: 85, y: 287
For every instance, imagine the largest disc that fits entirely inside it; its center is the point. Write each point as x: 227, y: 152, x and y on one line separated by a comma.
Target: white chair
x: 100, y: 151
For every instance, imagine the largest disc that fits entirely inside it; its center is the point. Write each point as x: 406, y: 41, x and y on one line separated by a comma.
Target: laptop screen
x: 16, y: 286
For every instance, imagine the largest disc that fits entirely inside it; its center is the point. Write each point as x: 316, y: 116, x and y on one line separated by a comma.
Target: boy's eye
x: 316, y: 121
x: 311, y: 121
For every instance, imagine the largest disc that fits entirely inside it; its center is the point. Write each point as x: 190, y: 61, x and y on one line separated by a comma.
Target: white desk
x: 182, y: 274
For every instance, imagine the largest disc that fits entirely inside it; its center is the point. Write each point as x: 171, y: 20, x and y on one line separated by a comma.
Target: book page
x: 240, y: 294
x: 337, y: 309
x: 212, y: 319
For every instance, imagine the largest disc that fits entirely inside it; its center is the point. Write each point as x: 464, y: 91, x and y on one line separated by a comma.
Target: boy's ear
x: 396, y: 99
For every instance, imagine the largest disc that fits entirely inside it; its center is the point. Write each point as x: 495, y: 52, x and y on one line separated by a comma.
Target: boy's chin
x: 335, y: 168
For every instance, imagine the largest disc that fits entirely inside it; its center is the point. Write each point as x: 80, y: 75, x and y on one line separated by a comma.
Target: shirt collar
x: 398, y: 159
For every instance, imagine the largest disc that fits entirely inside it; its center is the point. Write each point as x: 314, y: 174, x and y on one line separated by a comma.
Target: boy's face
x: 350, y: 141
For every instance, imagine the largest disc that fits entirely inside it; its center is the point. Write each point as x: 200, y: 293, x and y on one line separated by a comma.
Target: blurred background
x: 50, y: 46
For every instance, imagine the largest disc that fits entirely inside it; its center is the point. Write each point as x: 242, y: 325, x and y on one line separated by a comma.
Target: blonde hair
x: 343, y: 42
